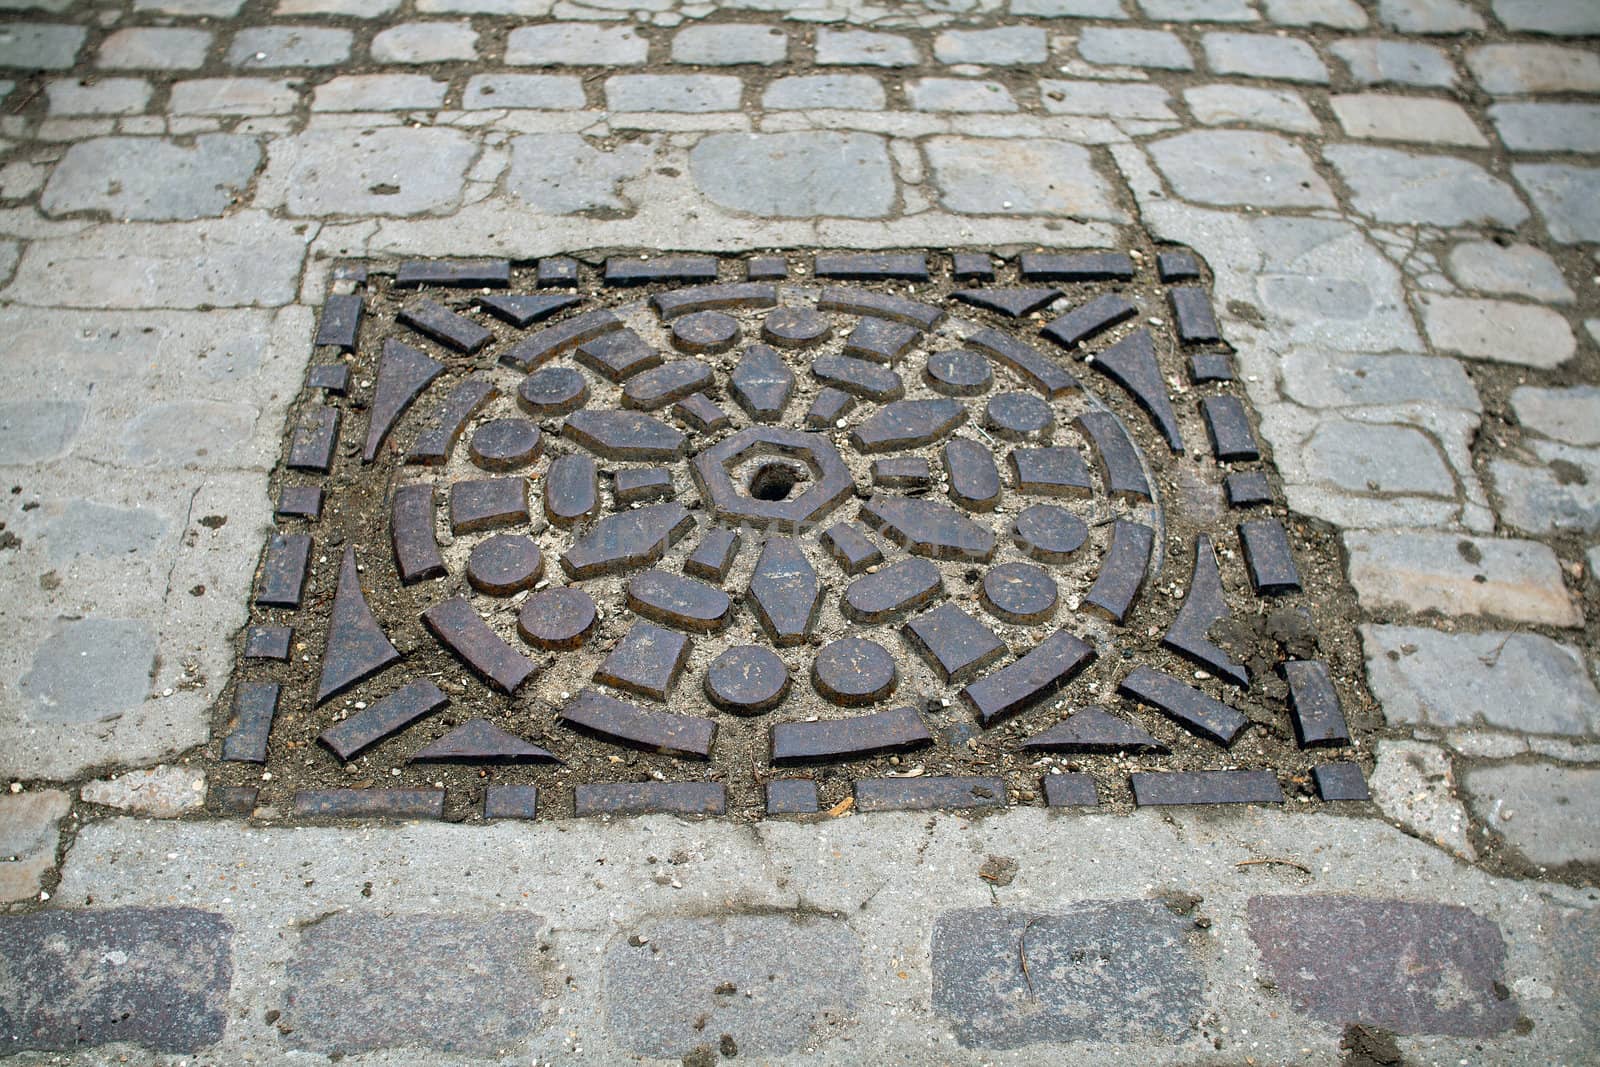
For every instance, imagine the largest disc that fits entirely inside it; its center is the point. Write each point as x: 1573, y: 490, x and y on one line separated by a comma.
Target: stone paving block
x: 1576, y: 18
x: 1459, y: 576
x: 28, y: 840
x: 772, y: 984
x: 155, y: 978
x: 1414, y: 785
x: 730, y: 44
x: 380, y: 92
x: 673, y: 92
x: 425, y: 42
x: 361, y: 9
x: 233, y: 96
x: 1069, y: 9
x: 576, y: 44
x: 268, y: 47
x: 538, y: 92
x: 217, y: 9
x: 1570, y: 414
x: 1113, y: 99
x: 1261, y: 55
x: 561, y: 173
x: 1565, y: 195
x: 798, y: 174
x: 1424, y: 676
x: 1240, y: 167
x: 1348, y: 379
x: 1429, y: 16
x: 1114, y: 46
x: 89, y: 670
x: 1395, y: 186
x: 1339, y: 14
x: 1385, y: 117
x: 1199, y: 10
x: 862, y: 48
x: 97, y: 96
x: 1561, y: 494
x: 1374, y: 61
x: 359, y: 981
x: 1498, y: 330
x: 40, y: 45
x: 1099, y: 971
x: 1528, y: 69
x: 154, y: 48
x: 1550, y: 814
x: 1548, y: 127
x: 164, y: 792
x: 1226, y: 105
x: 1513, y: 269
x: 1025, y: 177
x: 327, y: 172
x: 959, y: 94
x: 1005, y: 46
x: 1413, y: 968
x: 805, y: 93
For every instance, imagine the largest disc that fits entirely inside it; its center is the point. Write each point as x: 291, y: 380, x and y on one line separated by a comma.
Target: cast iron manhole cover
x: 781, y: 534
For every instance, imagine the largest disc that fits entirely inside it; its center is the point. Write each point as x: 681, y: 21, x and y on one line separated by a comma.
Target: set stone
x: 267, y: 47
x: 1396, y: 186
x: 1538, y: 127
x: 379, y: 92
x: 959, y: 94
x: 1550, y: 814
x: 152, y: 178
x: 562, y: 44
x: 1429, y: 16
x: 1498, y: 330
x: 1526, y: 69
x: 1460, y: 576
x: 1134, y: 48
x: 808, y: 92
x: 154, y: 48
x: 1225, y: 105
x: 730, y: 44
x: 1007, y: 46
x: 862, y: 48
x: 28, y: 840
x: 1019, y: 177
x: 233, y: 96
x: 1570, y: 414
x: 1199, y: 10
x: 1260, y: 55
x: 426, y: 42
x: 1511, y: 269
x: 163, y: 792
x: 1565, y: 196
x: 1339, y: 14
x: 538, y: 92
x: 1425, y: 677
x: 1375, y: 61
x: 1575, y: 18
x: 40, y: 46
x: 1109, y: 99
x: 1240, y: 167
x: 798, y: 174
x: 1384, y: 117
x: 689, y: 93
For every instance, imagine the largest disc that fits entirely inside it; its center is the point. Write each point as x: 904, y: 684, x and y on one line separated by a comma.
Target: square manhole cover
x: 774, y: 534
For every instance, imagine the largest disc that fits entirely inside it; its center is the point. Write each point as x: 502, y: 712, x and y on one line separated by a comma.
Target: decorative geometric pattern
x: 665, y: 538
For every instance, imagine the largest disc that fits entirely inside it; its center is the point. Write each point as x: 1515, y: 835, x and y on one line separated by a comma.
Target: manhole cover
x: 775, y: 534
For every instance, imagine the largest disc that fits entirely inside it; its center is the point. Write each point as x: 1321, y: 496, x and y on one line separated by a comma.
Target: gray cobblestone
x: 217, y: 9
x: 1018, y: 177
x: 233, y: 96
x: 539, y: 92
x: 1374, y: 61
x: 1227, y: 105
x: 426, y: 42
x: 99, y: 96
x: 1077, y: 9
x: 730, y: 44
x: 328, y: 172
x: 1565, y: 195
x: 673, y: 92
x: 28, y: 838
x: 1340, y: 14
x: 1112, y: 99
x: 1424, y: 677
x: 266, y: 47
x: 1570, y: 414
x: 1549, y: 814
x: 799, y: 174
x: 1429, y: 16
x: 40, y: 45
x: 1006, y: 46
x: 862, y: 48
x: 1395, y: 186
x: 1497, y: 330
x: 1240, y: 167
x: 1512, y: 269
x: 379, y: 92
x: 361, y: 9
x: 1414, y: 784
x: 1520, y: 69
x: 155, y: 48
x: 850, y: 91
x: 958, y: 94
x: 1387, y: 117
x: 576, y: 44
x: 164, y: 792
x: 1560, y: 495
x: 1114, y: 46
x: 561, y: 173
x: 524, y: 8
x: 1319, y: 378
x: 1263, y: 55
x: 150, y: 178
x: 1459, y: 577
x: 1566, y: 17
x: 1548, y: 127
x: 18, y: 180
x: 1361, y: 457
x: 1199, y: 10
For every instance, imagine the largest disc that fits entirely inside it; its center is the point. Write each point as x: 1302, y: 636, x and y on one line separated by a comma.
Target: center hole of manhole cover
x: 777, y: 480
x: 779, y: 534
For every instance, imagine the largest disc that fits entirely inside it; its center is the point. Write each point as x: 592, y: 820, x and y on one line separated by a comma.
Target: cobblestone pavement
x: 1395, y: 206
